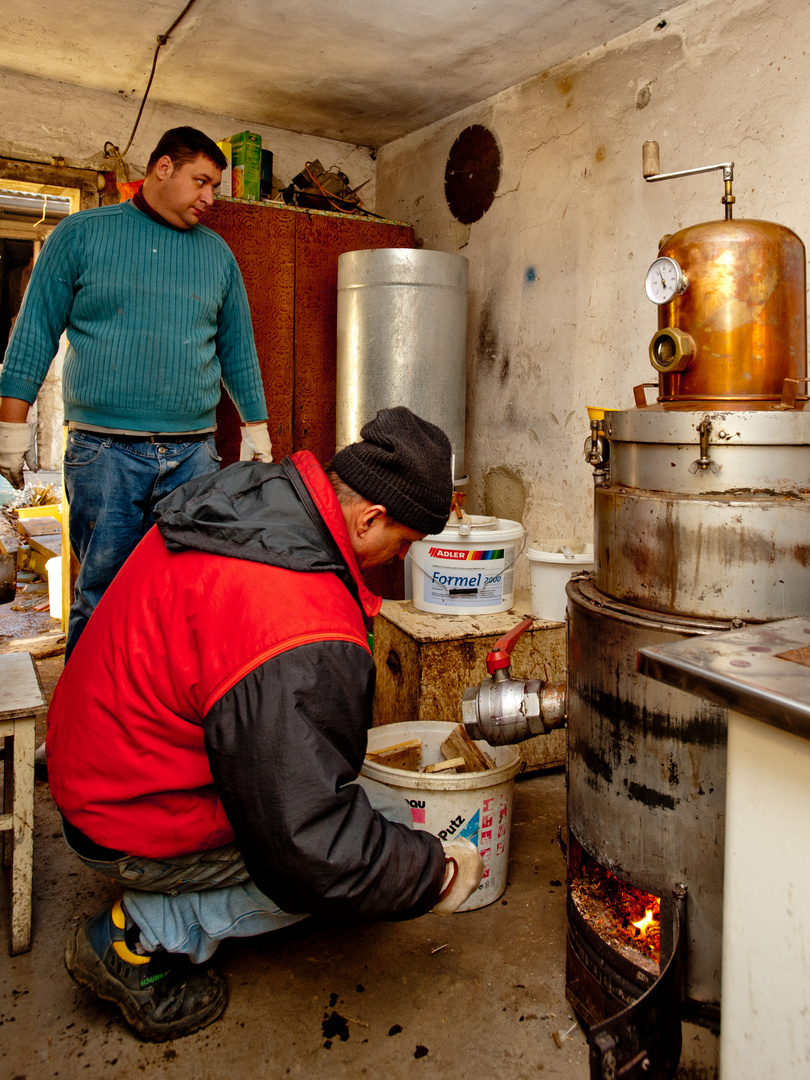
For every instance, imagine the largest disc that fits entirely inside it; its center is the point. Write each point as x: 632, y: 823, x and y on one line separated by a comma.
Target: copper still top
x: 741, y: 315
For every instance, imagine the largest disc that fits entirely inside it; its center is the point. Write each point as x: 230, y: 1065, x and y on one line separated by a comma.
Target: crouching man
x: 205, y: 739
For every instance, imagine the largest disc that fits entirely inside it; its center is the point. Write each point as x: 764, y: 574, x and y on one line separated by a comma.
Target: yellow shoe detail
x: 128, y: 955
x: 119, y: 920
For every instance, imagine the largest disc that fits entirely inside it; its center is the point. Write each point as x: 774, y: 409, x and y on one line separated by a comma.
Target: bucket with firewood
x: 454, y: 786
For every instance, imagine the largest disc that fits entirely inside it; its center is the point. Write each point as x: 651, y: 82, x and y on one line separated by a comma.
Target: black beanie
x: 405, y: 464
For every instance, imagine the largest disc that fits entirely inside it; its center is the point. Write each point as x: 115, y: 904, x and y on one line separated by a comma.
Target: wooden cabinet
x: 288, y: 260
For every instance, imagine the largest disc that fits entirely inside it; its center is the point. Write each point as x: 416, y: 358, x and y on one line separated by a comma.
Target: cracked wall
x: 558, y: 316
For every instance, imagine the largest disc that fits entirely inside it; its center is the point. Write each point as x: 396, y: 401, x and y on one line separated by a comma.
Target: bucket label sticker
x: 485, y: 843
x: 494, y: 834
x: 466, y: 554
x: 470, y: 830
x: 417, y: 810
x: 460, y: 577
x: 452, y: 828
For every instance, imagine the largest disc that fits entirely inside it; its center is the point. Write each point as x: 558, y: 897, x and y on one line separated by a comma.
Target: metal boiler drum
x: 646, y: 770
x: 727, y: 541
x: 743, y: 312
x: 402, y: 340
x: 701, y: 523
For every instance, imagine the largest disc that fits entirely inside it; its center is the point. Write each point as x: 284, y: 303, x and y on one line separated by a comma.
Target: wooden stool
x: 20, y: 698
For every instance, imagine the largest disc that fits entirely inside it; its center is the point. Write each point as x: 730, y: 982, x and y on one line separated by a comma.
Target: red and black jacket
x: 222, y: 691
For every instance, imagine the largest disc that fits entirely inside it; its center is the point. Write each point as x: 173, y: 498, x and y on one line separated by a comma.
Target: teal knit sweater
x: 155, y: 317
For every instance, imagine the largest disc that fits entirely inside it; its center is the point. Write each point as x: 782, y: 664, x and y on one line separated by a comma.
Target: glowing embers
x: 624, y: 917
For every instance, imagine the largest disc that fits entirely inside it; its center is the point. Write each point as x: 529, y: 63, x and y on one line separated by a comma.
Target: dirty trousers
x: 189, y: 903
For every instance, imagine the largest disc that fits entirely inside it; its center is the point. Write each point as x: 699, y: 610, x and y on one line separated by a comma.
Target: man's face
x: 186, y: 191
x: 385, y: 541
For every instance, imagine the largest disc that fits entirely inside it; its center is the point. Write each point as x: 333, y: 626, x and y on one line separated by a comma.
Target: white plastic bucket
x: 471, y: 572
x: 53, y: 568
x: 551, y: 564
x: 476, y: 806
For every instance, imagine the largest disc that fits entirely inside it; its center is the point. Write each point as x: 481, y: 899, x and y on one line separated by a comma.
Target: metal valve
x: 705, y: 460
x: 503, y: 710
x: 597, y: 451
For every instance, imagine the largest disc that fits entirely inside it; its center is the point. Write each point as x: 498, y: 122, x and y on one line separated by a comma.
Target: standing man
x: 205, y: 740
x: 156, y: 315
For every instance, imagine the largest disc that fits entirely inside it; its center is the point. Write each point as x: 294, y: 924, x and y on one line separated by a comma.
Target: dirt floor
x: 476, y: 994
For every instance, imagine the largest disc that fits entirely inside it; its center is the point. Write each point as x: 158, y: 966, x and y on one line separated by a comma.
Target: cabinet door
x: 262, y: 239
x: 319, y: 240
x: 288, y: 260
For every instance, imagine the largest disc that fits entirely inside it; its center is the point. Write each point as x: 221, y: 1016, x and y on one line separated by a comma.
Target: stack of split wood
x: 461, y: 755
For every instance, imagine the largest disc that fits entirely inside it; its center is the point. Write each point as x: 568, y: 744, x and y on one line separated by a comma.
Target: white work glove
x: 462, y: 875
x: 256, y: 444
x: 15, y: 446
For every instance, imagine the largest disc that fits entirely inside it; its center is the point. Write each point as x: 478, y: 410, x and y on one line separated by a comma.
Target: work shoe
x: 161, y: 995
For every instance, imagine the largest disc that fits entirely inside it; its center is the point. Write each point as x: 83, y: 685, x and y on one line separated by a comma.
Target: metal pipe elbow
x: 506, y: 711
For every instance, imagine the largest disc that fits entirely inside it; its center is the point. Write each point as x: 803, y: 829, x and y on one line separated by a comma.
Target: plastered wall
x: 558, y: 315
x: 43, y: 119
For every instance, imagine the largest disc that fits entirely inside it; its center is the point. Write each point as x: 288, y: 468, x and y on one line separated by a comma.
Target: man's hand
x: 256, y: 444
x: 15, y: 440
x: 462, y: 876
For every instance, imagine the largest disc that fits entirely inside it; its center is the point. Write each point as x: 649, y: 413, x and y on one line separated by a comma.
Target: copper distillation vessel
x: 701, y: 524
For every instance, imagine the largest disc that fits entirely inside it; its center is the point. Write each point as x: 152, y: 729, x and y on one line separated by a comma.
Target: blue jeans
x: 112, y: 488
x: 189, y: 903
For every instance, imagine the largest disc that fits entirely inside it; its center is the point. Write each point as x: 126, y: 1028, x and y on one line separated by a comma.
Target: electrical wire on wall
x: 110, y: 150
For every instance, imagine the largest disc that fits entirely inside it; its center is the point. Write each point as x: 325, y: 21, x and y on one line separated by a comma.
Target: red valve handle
x: 500, y: 656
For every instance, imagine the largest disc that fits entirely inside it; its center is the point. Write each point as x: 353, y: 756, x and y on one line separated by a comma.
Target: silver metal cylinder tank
x: 402, y: 340
x: 727, y: 539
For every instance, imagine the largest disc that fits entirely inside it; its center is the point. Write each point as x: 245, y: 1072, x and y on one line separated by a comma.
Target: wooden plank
x: 459, y: 744
x: 39, y: 646
x: 22, y: 693
x: 22, y: 860
x: 445, y: 766
x: 48, y: 545
x: 404, y: 755
x: 39, y: 526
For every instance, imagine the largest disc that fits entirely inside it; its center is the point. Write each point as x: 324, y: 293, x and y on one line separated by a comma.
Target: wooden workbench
x: 425, y: 662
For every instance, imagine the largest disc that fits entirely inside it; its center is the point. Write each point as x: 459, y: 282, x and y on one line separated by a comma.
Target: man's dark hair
x: 184, y: 144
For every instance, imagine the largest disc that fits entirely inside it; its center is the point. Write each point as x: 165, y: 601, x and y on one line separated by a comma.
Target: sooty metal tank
x: 701, y: 524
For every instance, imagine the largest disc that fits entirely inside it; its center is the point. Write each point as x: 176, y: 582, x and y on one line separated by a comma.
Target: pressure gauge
x: 665, y: 280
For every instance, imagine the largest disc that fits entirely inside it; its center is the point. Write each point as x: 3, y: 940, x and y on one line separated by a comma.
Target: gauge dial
x: 665, y: 280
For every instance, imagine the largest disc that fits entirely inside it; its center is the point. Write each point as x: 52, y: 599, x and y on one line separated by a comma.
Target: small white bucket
x: 476, y: 806
x: 470, y: 572
x: 551, y: 564
x: 53, y: 568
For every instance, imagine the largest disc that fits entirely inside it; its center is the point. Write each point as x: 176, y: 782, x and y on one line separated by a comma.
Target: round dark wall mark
x: 472, y: 174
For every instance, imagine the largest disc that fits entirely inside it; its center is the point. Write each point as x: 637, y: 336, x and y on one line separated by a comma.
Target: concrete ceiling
x: 361, y: 71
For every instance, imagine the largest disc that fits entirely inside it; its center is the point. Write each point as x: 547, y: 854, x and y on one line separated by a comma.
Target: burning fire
x: 645, y: 923
x: 620, y: 913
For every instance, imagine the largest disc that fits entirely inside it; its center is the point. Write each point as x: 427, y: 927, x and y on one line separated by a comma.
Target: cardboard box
x: 226, y: 187
x: 246, y: 166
